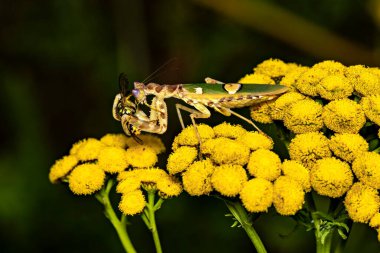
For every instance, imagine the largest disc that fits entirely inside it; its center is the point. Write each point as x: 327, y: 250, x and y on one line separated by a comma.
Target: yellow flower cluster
x: 324, y: 95
x: 235, y: 163
x: 130, y: 183
x: 90, y: 159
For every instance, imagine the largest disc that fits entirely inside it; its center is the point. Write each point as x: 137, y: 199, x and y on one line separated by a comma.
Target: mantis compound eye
x: 135, y: 93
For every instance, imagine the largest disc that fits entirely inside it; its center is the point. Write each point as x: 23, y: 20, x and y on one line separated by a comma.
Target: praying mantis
x: 222, y: 97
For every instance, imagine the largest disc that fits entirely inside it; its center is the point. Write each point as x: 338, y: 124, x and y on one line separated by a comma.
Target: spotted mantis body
x: 222, y: 97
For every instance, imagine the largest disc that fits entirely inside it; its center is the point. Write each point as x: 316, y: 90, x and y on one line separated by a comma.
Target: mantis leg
x: 201, y: 111
x: 242, y: 117
x: 212, y: 81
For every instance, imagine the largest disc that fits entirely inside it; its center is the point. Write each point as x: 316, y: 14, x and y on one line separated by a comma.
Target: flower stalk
x: 149, y: 218
x: 120, y: 225
x: 241, y: 215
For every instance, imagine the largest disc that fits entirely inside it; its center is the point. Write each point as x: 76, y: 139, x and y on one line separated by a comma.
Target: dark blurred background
x: 59, y: 65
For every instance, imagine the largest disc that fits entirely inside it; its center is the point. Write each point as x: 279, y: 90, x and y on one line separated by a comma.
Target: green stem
x: 323, y: 244
x: 241, y: 215
x: 119, y: 225
x: 150, y: 219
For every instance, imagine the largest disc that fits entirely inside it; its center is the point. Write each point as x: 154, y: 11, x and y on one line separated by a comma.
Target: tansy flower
x: 375, y: 221
x: 113, y: 159
x: 197, y: 178
x: 149, y: 140
x: 371, y: 108
x: 87, y: 149
x: 149, y: 177
x: 343, y: 116
x: 288, y: 195
x: 141, y: 156
x: 115, y: 140
x: 308, y: 148
x: 229, y: 131
x: 274, y: 68
x: 292, y: 76
x: 256, y: 140
x: 264, y: 164
x: 181, y: 158
x: 304, y: 116
x: 228, y: 179
x: 261, y: 112
x: 362, y: 202
x: 86, y: 179
x: 132, y: 203
x: 331, y: 67
x: 256, y: 79
x: 257, y: 195
x: 126, y: 174
x: 364, y: 82
x: 367, y: 169
x: 62, y: 167
x: 298, y: 172
x: 128, y: 184
x: 188, y: 136
x: 223, y: 150
x: 281, y: 105
x: 307, y: 82
x: 335, y: 87
x: 331, y: 177
x: 169, y: 187
x: 348, y: 146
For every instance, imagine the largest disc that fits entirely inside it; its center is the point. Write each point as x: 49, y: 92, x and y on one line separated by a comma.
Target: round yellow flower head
x: 113, y: 159
x: 331, y: 177
x: 257, y: 195
x: 282, y: 104
x: 264, y: 164
x: 367, y: 169
x: 127, y: 173
x: 375, y: 221
x: 304, y: 116
x: 362, y: 202
x: 151, y: 176
x: 308, y: 148
x: 298, y: 172
x: 223, y: 150
x: 228, y: 179
x: 292, y: 76
x: 335, y: 87
x: 348, y: 146
x: 169, y: 187
x: 128, y: 184
x: 307, y: 82
x: 132, y: 203
x: 149, y: 140
x: 229, y: 131
x: 115, y: 140
x: 62, y: 167
x: 273, y: 68
x: 87, y: 149
x: 197, y: 178
x: 343, y: 116
x: 288, y: 195
x: 364, y: 82
x: 181, y: 159
x: 188, y: 137
x: 141, y: 156
x: 371, y: 108
x: 261, y: 112
x: 86, y: 179
x: 331, y: 67
x: 256, y: 140
x: 256, y: 79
